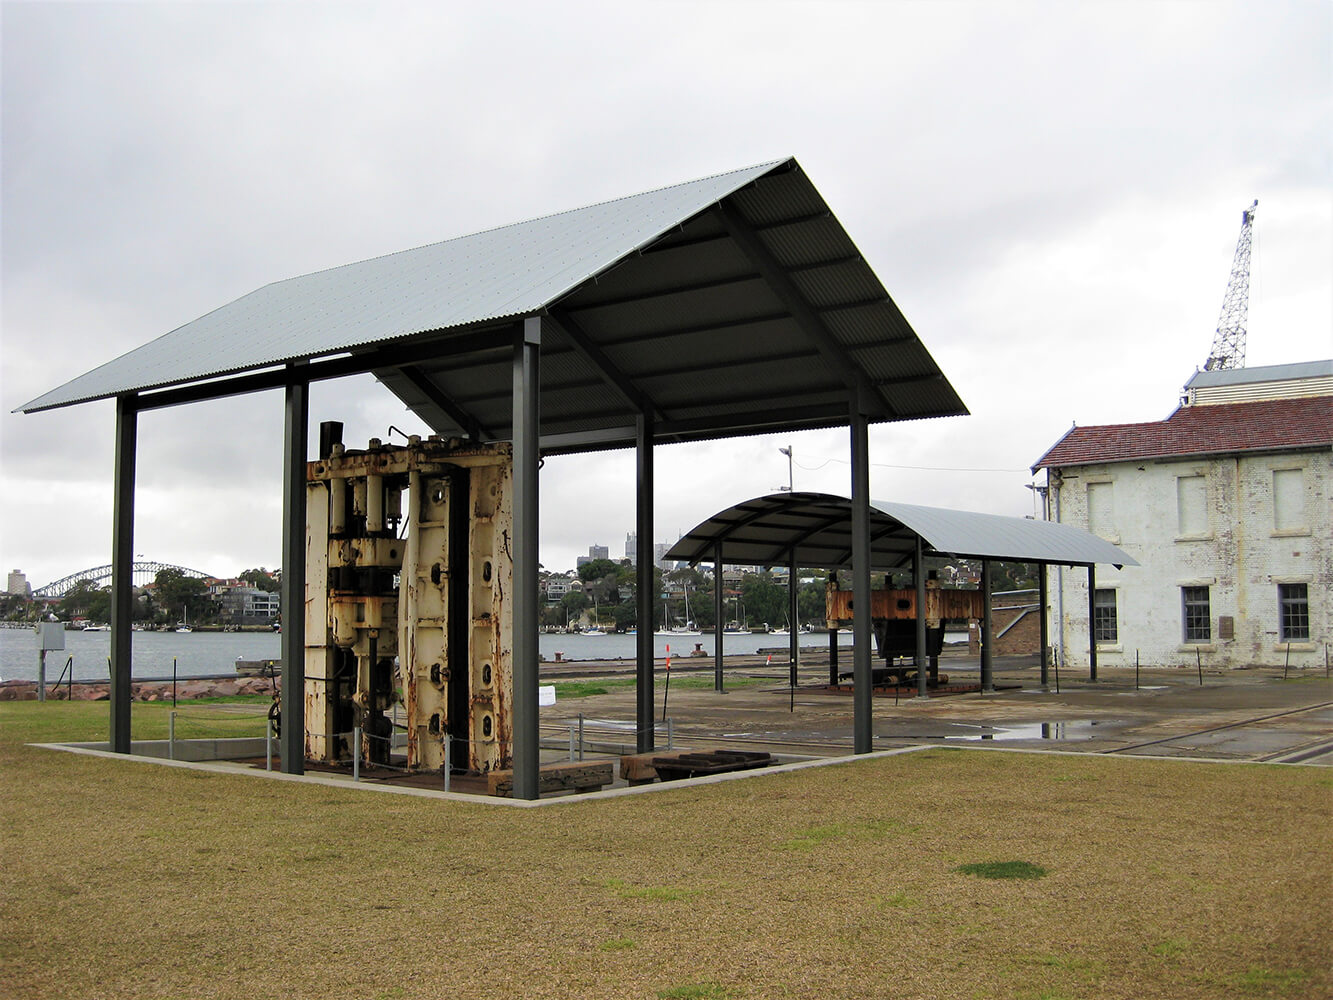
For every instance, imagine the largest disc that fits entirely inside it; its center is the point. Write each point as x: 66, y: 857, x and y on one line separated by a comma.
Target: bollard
x: 448, y: 759
x: 356, y: 753
x: 171, y: 736
x: 580, y: 736
x: 41, y: 675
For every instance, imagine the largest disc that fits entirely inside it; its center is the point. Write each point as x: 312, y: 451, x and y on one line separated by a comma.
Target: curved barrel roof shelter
x: 817, y: 530
x: 730, y: 305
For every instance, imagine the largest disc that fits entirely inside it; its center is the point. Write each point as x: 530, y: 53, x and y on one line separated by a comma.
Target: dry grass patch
x: 1164, y: 880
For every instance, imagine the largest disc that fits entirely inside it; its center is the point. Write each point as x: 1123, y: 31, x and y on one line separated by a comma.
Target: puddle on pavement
x: 1082, y: 729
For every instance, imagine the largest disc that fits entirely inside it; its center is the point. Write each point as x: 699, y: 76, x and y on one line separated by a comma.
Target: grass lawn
x: 887, y: 878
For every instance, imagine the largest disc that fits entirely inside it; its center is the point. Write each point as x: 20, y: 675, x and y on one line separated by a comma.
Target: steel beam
x: 645, y: 594
x: 793, y: 634
x: 834, y: 353
x: 863, y: 736
x: 291, y: 743
x: 987, y: 678
x: 122, y: 572
x: 719, y: 609
x: 1092, y: 622
x: 919, y: 577
x: 527, y: 458
x: 472, y: 427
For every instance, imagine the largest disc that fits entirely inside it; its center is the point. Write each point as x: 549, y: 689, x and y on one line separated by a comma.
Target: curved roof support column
x: 291, y: 744
x: 919, y: 575
x: 863, y: 737
x: 719, y: 610
x: 644, y: 593
x: 122, y: 571
x: 527, y: 380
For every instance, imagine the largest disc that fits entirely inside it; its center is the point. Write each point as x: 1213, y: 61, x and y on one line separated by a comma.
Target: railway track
x: 1281, y: 756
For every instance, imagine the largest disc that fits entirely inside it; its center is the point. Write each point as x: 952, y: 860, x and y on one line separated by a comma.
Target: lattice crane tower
x: 1229, y: 341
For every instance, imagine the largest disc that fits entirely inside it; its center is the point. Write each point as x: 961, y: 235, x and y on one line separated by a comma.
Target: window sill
x: 1292, y: 533
x: 1193, y: 538
x: 1108, y: 647
x: 1296, y: 647
x: 1202, y: 647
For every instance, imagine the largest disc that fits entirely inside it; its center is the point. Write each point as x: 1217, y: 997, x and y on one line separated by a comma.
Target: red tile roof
x: 1266, y: 425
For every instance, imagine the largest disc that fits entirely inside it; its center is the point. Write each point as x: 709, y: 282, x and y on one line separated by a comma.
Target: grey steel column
x: 987, y: 680
x: 919, y: 575
x: 644, y: 588
x: 863, y: 737
x: 719, y: 609
x: 1043, y: 598
x: 122, y: 572
x: 1092, y: 622
x: 291, y: 744
x: 527, y: 383
x: 793, y: 637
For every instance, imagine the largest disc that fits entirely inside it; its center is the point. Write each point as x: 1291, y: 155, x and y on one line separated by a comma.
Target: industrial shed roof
x: 728, y: 305
x: 818, y: 527
x: 1222, y: 428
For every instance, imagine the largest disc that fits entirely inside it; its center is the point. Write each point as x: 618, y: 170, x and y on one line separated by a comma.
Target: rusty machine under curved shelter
x: 408, y: 574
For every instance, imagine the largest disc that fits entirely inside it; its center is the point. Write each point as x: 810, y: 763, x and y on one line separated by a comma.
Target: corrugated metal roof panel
x: 817, y: 526
x: 511, y: 271
x: 704, y: 300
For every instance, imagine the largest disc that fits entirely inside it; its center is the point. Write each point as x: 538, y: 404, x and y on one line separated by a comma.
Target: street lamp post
x: 787, y: 451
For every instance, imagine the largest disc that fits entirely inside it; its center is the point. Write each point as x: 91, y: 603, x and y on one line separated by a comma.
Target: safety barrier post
x: 268, y: 745
x: 580, y: 736
x: 171, y: 736
x: 356, y: 753
x: 572, y: 733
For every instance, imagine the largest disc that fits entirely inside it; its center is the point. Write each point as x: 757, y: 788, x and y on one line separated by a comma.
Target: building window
x: 1293, y: 602
x: 1289, y: 500
x: 1197, y: 614
x: 1191, y: 506
x: 1104, y: 626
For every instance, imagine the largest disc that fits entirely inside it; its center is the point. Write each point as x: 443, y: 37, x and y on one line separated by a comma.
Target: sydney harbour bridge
x: 145, y: 572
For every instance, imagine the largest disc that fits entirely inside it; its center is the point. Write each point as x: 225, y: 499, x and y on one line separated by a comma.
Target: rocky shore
x: 186, y: 690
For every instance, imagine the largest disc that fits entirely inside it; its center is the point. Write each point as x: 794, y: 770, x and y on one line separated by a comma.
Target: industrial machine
x: 408, y: 576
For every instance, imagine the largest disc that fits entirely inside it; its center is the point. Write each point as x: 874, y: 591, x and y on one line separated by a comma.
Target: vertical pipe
x: 580, y: 736
x: 41, y: 674
x: 527, y: 424
x: 1043, y: 598
x: 643, y: 520
x: 793, y: 632
x: 268, y: 744
x: 1092, y: 617
x: 832, y: 652
x: 171, y: 736
x: 862, y: 716
x: 291, y: 742
x: 987, y: 677
x: 719, y: 609
x: 919, y: 574
x: 122, y: 572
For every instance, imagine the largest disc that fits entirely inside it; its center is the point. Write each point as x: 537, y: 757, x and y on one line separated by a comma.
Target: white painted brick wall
x: 1242, y: 558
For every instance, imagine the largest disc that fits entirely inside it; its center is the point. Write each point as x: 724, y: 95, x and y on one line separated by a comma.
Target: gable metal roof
x: 818, y: 527
x: 728, y: 305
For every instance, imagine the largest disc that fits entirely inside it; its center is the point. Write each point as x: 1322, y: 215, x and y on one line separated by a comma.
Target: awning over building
x: 815, y: 529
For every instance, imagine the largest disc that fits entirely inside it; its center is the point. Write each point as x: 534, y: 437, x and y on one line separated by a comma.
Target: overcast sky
x: 1051, y: 192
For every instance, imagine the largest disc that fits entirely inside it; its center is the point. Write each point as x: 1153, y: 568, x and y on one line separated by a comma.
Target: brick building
x: 1226, y: 506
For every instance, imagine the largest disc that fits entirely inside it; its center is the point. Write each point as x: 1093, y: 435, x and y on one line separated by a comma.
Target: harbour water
x: 197, y: 654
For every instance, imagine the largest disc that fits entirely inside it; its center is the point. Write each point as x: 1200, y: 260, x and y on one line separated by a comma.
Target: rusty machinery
x: 408, y: 574
x: 893, y: 622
